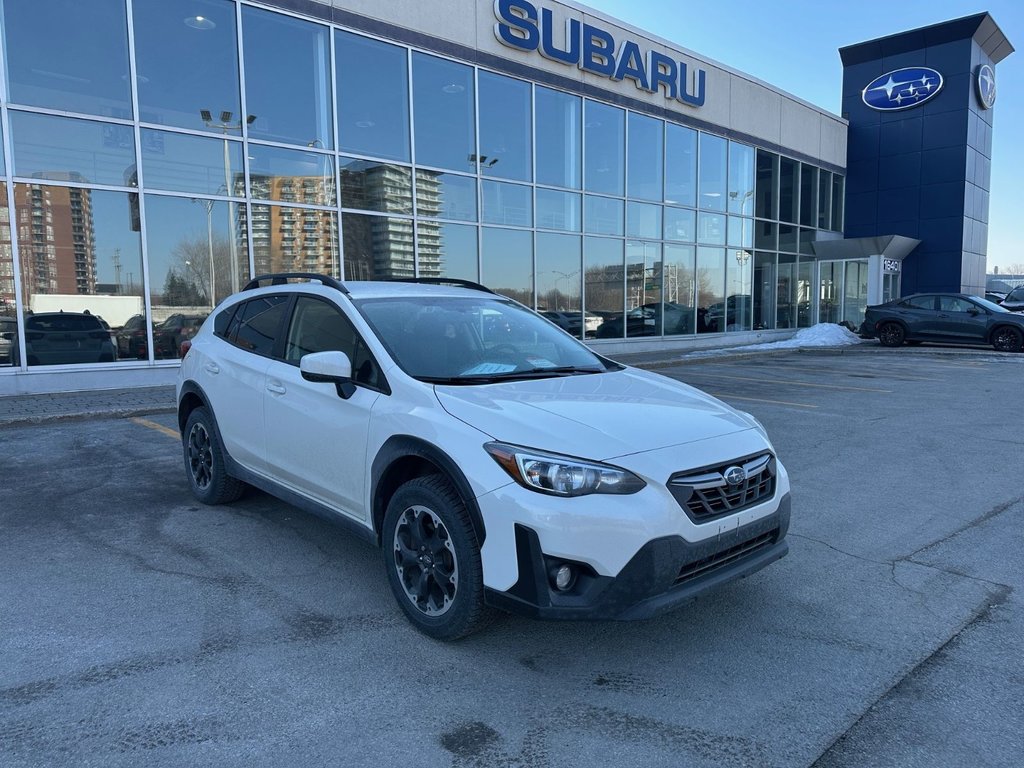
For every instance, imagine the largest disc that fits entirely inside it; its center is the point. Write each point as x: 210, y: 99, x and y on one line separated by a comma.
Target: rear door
x: 233, y: 376
x: 920, y: 315
x: 960, y: 319
x: 316, y: 441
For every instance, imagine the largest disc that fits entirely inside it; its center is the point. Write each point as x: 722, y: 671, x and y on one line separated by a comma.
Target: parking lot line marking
x: 723, y: 396
x: 888, y: 373
x: 794, y: 383
x: 158, y: 427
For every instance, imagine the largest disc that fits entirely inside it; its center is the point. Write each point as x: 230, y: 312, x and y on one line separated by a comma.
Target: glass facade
x: 142, y: 186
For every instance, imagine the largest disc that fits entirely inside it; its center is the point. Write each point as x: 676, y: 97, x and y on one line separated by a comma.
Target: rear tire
x: 204, y: 461
x: 432, y: 558
x: 892, y: 335
x: 1007, y: 339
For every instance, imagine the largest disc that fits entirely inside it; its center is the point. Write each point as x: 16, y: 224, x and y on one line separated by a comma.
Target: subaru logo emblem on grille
x: 735, y: 475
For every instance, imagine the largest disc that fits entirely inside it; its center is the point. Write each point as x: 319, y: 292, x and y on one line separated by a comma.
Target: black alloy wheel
x: 432, y: 558
x: 891, y: 335
x: 1007, y: 339
x: 204, y: 461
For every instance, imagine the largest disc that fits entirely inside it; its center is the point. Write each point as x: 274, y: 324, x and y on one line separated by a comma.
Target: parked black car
x: 8, y: 335
x: 169, y: 334
x: 63, y: 338
x: 944, y: 317
x: 131, y: 338
x: 1014, y: 300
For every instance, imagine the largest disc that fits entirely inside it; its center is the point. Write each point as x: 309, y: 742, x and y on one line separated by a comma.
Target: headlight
x: 561, y: 475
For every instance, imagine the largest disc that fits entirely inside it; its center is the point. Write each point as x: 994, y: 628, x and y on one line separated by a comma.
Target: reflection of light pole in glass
x: 325, y: 200
x: 226, y: 124
x: 558, y: 294
x: 743, y: 201
x: 208, y: 205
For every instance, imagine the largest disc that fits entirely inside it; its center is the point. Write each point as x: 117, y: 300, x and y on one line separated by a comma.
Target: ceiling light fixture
x: 200, y: 22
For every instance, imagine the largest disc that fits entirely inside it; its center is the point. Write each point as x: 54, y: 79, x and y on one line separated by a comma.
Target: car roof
x: 375, y: 289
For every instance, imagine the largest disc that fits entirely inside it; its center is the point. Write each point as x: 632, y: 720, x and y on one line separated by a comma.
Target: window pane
x: 712, y: 172
x: 680, y: 224
x: 739, y: 273
x: 558, y: 138
x: 8, y: 316
x: 645, y: 309
x: 377, y: 247
x: 51, y: 62
x: 710, y: 289
x: 766, y: 235
x: 507, y: 204
x: 741, y: 232
x: 373, y: 107
x: 741, y: 179
x: 447, y: 250
x: 602, y: 215
x: 806, y: 238
x: 295, y: 240
x: 66, y: 149
x: 679, y: 289
x: 175, y: 89
x: 643, y: 220
x: 855, y: 298
x: 375, y: 186
x: 711, y: 228
x: 192, y: 245
x: 505, y: 127
x: 604, y: 286
x: 445, y: 195
x: 558, y: 210
x: 291, y: 176
x: 785, y: 296
x: 508, y: 263
x: 837, y: 204
x: 830, y: 281
x: 78, y: 254
x: 443, y: 111
x: 287, y: 79
x: 645, y: 158
x: 804, y: 293
x: 604, y: 141
x: 824, y: 201
x: 191, y: 163
x: 3, y: 160
x: 787, y: 189
x: 764, y: 290
x: 808, y: 195
x: 680, y: 165
x: 767, y: 189
x: 559, y: 280
x: 788, y: 238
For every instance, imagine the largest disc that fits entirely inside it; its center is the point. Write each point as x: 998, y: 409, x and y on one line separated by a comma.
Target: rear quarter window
x: 257, y: 323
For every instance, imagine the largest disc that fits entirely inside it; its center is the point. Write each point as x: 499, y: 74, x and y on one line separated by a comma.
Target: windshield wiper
x: 530, y: 373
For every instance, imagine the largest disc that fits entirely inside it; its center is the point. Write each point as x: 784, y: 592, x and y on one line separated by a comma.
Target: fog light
x: 563, y: 576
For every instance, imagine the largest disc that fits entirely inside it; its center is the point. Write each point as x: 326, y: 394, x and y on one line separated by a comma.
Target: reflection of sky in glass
x: 287, y: 78
x: 741, y: 179
x: 191, y: 164
x: 51, y: 63
x: 507, y: 204
x: 558, y: 210
x: 445, y: 195
x: 712, y: 172
x: 175, y: 88
x: 643, y: 220
x: 604, y: 139
x: 559, y: 273
x: 680, y: 224
x: 508, y: 261
x: 558, y: 126
x: 77, y: 150
x: 680, y: 165
x: 373, y: 108
x: 443, y: 108
x: 645, y: 157
x: 458, y: 251
x: 505, y: 127
x: 602, y: 215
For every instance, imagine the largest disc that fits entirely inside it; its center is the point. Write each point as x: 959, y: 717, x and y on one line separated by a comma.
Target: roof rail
x: 444, y: 281
x: 281, y: 278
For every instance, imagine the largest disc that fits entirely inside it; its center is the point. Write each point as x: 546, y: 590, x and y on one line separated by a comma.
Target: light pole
x: 226, y: 124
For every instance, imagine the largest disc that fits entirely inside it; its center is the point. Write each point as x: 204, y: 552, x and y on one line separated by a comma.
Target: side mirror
x: 329, y: 368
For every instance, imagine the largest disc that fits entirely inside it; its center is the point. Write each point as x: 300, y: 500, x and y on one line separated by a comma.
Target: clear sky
x: 793, y: 45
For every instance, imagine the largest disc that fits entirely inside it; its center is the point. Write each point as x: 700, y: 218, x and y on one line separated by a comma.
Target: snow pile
x: 821, y: 335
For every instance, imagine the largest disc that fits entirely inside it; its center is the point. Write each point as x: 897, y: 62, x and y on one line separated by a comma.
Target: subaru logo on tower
x: 985, y: 81
x: 902, y: 89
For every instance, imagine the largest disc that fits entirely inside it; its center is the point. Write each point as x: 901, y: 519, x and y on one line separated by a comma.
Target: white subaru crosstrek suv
x: 496, y: 460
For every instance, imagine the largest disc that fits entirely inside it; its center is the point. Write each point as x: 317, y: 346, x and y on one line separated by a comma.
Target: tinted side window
x: 258, y: 322
x: 319, y: 327
x: 955, y: 304
x: 920, y: 302
x: 222, y: 321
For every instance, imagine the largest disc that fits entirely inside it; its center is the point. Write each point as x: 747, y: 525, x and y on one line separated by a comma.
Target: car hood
x: 596, y: 416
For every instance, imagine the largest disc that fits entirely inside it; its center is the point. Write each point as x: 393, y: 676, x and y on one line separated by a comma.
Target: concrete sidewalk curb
x: 111, y: 413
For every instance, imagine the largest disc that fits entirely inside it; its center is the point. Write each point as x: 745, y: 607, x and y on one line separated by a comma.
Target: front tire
x: 432, y: 558
x: 204, y: 461
x: 892, y: 335
x: 1007, y: 339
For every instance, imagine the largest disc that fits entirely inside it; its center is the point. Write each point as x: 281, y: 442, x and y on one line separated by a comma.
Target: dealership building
x: 155, y: 155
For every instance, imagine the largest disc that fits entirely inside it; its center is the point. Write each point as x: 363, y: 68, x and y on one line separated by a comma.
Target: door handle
x: 212, y: 367
x: 276, y: 387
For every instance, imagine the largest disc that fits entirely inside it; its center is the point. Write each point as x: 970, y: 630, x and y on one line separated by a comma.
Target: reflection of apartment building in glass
x: 6, y: 257
x: 57, y: 239
x: 286, y: 239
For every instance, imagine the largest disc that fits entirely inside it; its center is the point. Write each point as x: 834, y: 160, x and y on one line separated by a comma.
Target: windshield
x: 989, y: 305
x: 455, y: 340
x: 1017, y: 294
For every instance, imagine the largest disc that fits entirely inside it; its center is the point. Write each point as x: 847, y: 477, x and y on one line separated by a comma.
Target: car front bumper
x: 664, y: 574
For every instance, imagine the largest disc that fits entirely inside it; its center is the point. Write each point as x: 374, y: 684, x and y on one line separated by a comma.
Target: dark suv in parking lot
x: 63, y: 338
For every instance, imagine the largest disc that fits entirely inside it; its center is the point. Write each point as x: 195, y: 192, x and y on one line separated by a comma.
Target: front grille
x: 725, y: 557
x: 709, y: 493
